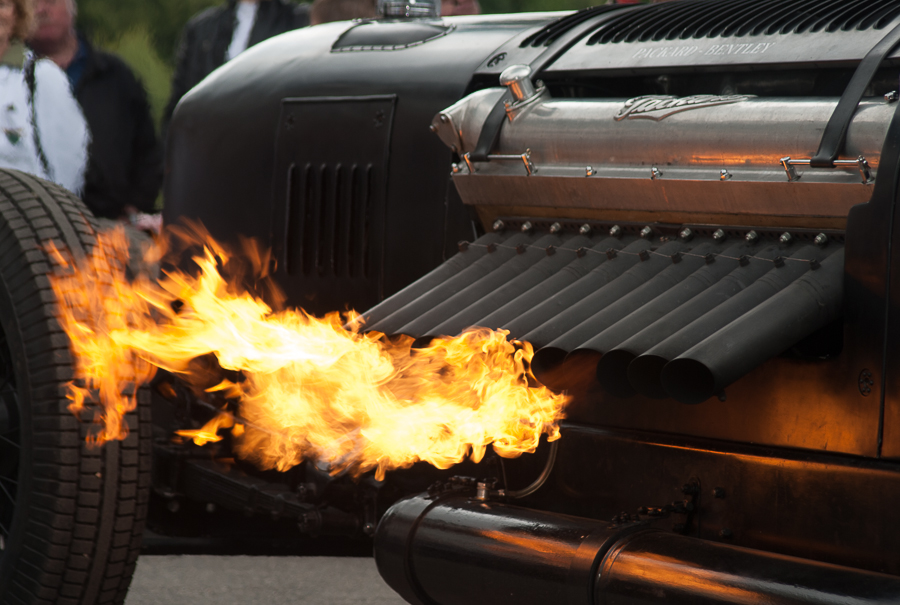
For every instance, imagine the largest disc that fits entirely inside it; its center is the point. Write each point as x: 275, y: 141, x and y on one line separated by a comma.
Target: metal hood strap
x: 836, y: 130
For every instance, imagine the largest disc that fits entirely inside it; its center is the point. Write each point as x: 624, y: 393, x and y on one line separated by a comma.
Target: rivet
x: 785, y: 238
x: 444, y: 118
x: 644, y: 255
x: 499, y: 225
x: 646, y: 232
x: 719, y: 235
x: 752, y: 237
x: 821, y: 240
x: 527, y: 227
x: 432, y: 128
x: 615, y: 231
x: 686, y: 234
x: 611, y: 253
x: 555, y: 228
x: 585, y: 229
x: 463, y: 245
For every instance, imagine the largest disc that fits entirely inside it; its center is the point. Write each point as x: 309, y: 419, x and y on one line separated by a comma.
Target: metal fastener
x: 866, y: 382
x: 444, y: 118
x: 527, y: 227
x: 785, y: 238
x: 686, y: 234
x: 752, y: 237
x: 589, y: 171
x: 555, y: 228
x: 891, y: 96
x: 481, y: 491
x: 499, y: 225
x: 432, y: 128
x: 821, y: 240
x: 655, y: 173
x: 615, y: 231
x: 718, y: 235
x: 585, y: 229
x: 646, y: 232
x: 463, y: 245
x: 455, y: 167
x: 724, y: 175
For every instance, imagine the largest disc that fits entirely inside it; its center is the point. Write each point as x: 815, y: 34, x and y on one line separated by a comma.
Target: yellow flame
x: 308, y: 387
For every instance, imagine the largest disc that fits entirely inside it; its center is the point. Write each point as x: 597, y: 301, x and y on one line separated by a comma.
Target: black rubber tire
x: 79, y: 512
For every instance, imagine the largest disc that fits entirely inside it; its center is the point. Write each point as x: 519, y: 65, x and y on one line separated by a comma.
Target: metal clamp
x: 860, y: 163
x: 525, y: 158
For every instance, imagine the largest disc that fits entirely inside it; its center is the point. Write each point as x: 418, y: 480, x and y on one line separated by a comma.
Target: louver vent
x: 694, y: 19
x: 329, y: 220
x: 550, y: 33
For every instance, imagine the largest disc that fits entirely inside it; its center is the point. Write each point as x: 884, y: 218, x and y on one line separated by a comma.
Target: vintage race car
x: 679, y: 219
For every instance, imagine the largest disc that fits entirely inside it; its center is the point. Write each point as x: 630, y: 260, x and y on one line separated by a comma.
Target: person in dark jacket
x: 218, y: 34
x: 124, y: 171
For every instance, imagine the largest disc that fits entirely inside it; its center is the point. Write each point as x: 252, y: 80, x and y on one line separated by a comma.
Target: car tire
x: 71, y: 515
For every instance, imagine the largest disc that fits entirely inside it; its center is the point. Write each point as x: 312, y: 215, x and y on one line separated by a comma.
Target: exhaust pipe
x: 524, y: 257
x: 496, y: 254
x: 645, y: 372
x: 611, y: 375
x: 466, y: 256
x: 603, y: 273
x: 455, y: 550
x: 546, y: 337
x: 808, y: 304
x: 551, y: 260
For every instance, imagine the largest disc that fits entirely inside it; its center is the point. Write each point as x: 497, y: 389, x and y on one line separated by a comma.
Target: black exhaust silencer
x: 811, y: 302
x: 455, y: 550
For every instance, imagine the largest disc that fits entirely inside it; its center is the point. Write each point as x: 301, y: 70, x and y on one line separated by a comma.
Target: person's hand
x: 151, y: 223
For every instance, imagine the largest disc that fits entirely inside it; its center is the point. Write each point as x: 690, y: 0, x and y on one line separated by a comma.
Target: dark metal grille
x: 550, y: 33
x: 330, y: 219
x: 694, y: 19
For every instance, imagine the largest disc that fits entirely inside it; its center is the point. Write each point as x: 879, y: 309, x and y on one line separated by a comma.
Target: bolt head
x: 785, y: 238
x: 686, y: 234
x: 499, y: 225
x: 585, y: 229
x: 444, y: 118
x: 527, y: 227
x: 615, y: 231
x: 646, y: 232
x: 821, y: 240
x: 752, y: 236
x: 719, y: 235
x: 555, y: 228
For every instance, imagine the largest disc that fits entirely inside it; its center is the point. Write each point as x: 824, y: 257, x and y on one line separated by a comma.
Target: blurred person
x: 327, y: 11
x: 450, y: 8
x: 45, y: 133
x: 221, y: 33
x: 124, y: 171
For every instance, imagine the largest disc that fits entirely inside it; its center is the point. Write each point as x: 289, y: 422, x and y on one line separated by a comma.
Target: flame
x: 302, y: 387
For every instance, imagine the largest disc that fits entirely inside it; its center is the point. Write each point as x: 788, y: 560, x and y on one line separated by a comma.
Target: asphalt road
x: 262, y: 580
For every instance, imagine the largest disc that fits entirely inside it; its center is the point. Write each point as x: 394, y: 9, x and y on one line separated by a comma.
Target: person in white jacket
x: 42, y: 129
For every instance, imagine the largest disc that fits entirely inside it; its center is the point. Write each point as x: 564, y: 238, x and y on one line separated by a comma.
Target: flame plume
x: 303, y: 387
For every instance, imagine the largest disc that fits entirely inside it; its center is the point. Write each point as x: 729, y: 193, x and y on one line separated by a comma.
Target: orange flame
x: 309, y: 388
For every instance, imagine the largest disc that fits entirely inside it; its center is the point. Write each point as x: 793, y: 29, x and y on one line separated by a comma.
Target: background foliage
x: 145, y: 33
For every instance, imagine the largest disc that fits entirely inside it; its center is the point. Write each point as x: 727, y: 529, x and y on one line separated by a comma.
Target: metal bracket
x: 865, y: 173
x: 525, y: 158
